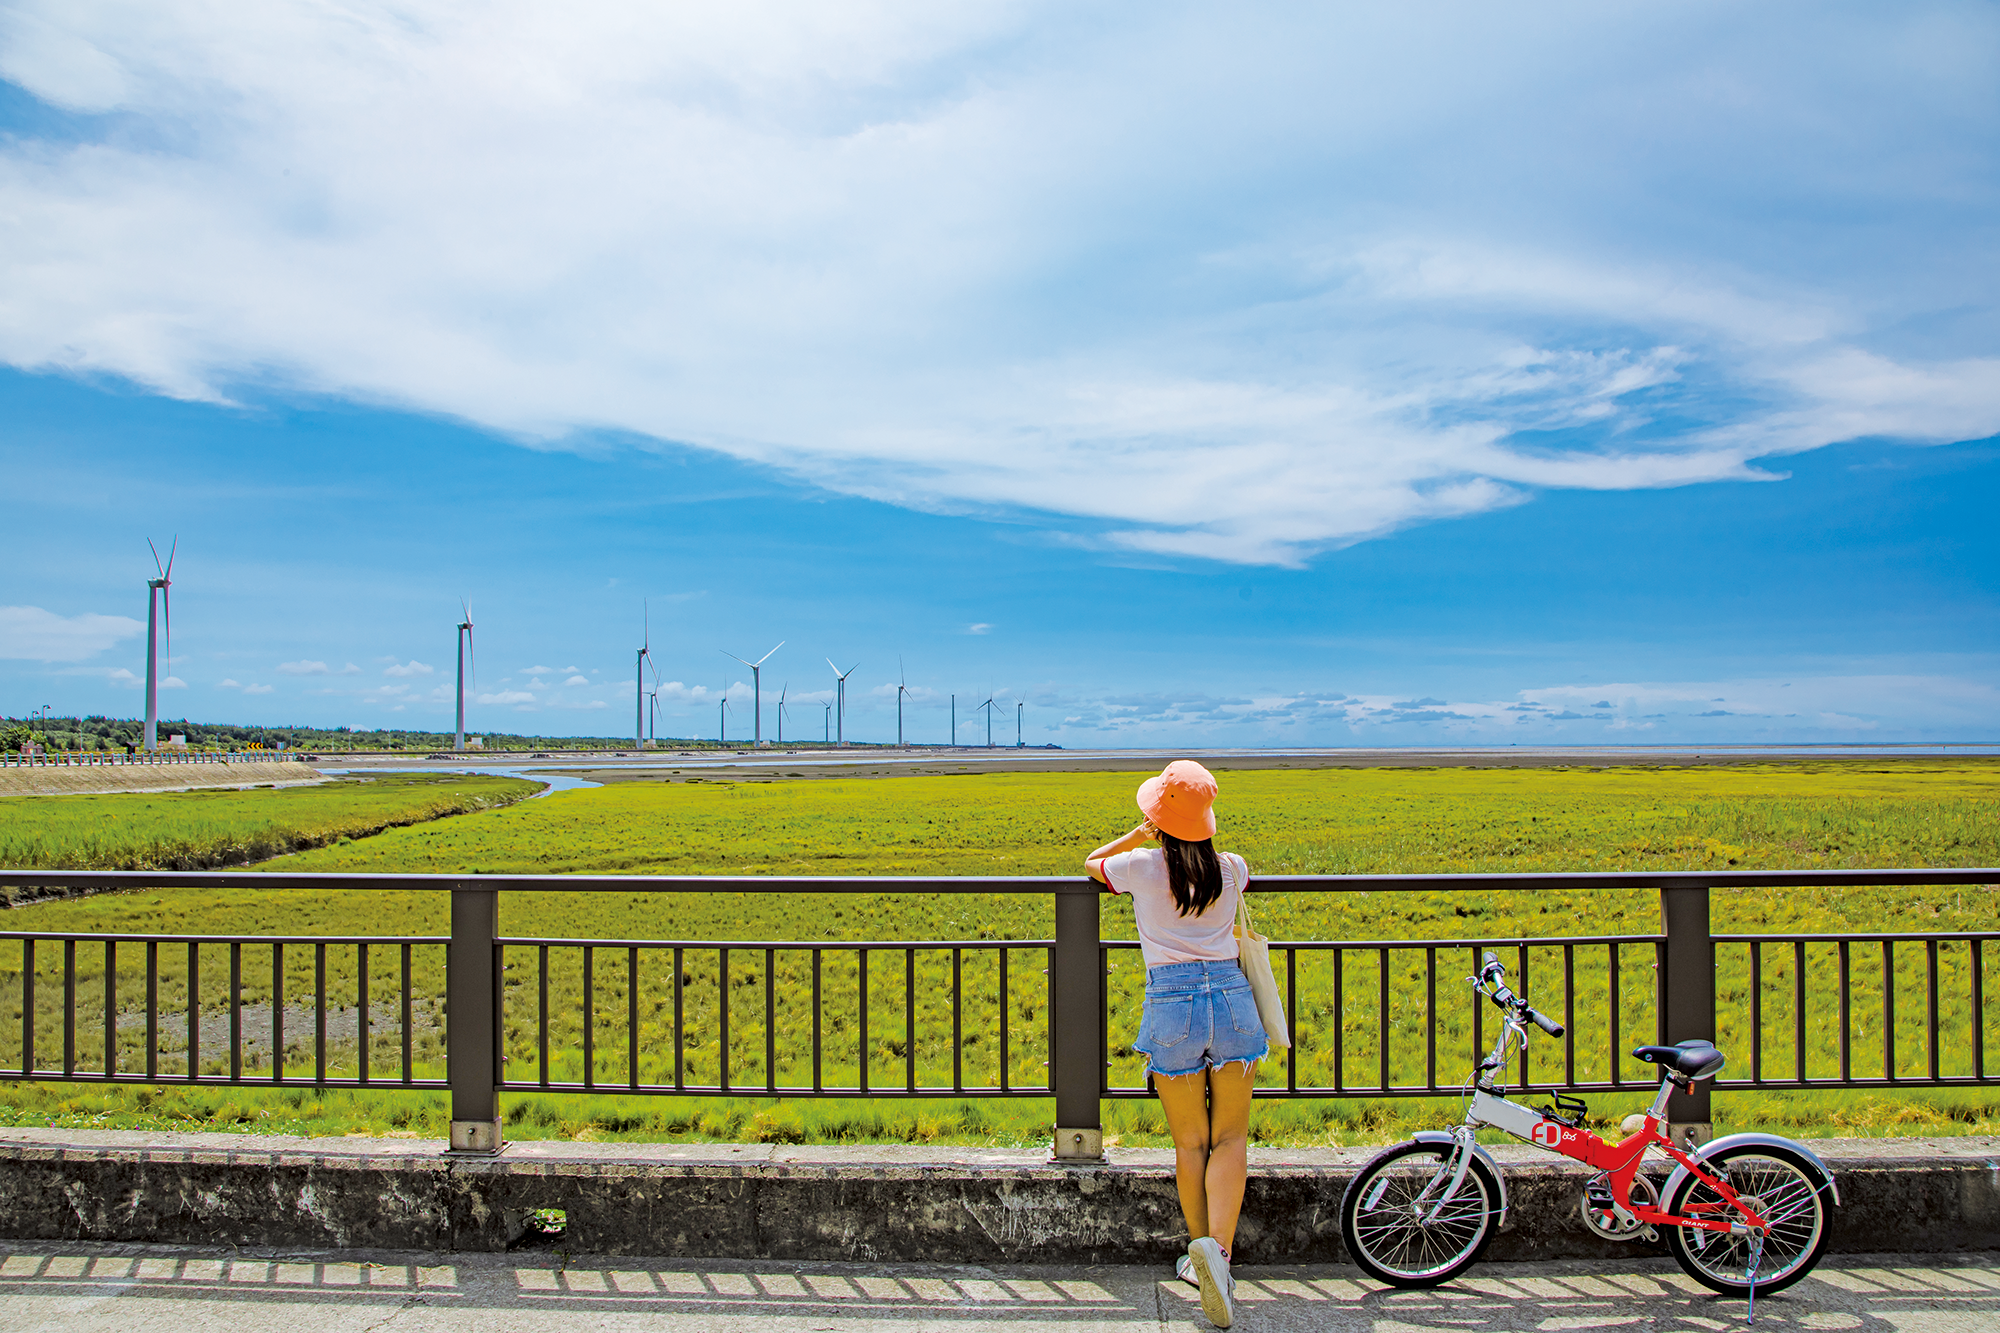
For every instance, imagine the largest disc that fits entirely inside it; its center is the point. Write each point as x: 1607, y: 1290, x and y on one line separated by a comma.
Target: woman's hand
x: 1140, y: 833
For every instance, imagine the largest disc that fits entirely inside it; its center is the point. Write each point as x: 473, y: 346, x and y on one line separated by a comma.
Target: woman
x: 1200, y: 1031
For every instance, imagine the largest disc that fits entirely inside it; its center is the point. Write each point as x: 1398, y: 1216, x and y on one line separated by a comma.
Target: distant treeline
x: 113, y: 733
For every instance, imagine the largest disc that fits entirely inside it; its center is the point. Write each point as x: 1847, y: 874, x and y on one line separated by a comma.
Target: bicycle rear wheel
x: 1390, y: 1234
x: 1784, y: 1188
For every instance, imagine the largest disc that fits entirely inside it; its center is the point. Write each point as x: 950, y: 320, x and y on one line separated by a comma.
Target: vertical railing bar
x: 1339, y: 1019
x: 909, y: 1020
x: 1103, y: 1017
x: 1569, y: 1015
x: 194, y: 1011
x: 1431, y: 1017
x: 1521, y: 958
x: 1931, y: 1004
x: 861, y: 1012
x: 1660, y: 990
x: 542, y: 1010
x: 722, y: 1025
x: 364, y: 1029
x: 235, y: 1011
x: 69, y: 1008
x: 957, y: 1020
x: 1292, y: 1016
x: 770, y: 1020
x: 632, y: 1016
x: 1978, y: 948
x: 816, y: 1017
x: 1611, y: 977
x: 277, y: 1013
x: 110, y: 1009
x: 1756, y: 1012
x: 1382, y: 1003
x: 1049, y: 1018
x: 1845, y: 1009
x: 28, y: 1005
x: 589, y: 1016
x: 1478, y: 1014
x: 680, y: 1049
x: 409, y: 1071
x: 153, y: 1010
x: 1799, y: 1011
x: 1006, y: 1014
x: 319, y: 1013
x: 1889, y: 1010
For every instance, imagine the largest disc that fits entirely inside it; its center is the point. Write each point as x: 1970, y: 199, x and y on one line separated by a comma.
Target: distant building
x: 178, y: 740
x: 475, y: 742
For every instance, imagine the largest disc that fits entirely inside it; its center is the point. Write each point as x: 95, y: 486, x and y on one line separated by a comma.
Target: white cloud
x: 577, y: 680
x: 29, y: 633
x: 227, y: 685
x: 980, y: 628
x: 173, y: 683
x: 410, y: 668
x: 507, y: 697
x: 257, y: 689
x: 1204, y: 283
x: 350, y: 670
x: 302, y: 668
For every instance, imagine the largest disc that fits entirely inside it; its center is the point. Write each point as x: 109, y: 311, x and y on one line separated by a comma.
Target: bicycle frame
x: 1619, y: 1161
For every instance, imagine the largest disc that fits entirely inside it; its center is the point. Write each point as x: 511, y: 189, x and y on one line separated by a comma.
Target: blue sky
x: 1290, y: 375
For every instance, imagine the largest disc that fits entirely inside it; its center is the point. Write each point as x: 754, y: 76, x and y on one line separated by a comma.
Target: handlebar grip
x: 1546, y: 1024
x: 1491, y: 969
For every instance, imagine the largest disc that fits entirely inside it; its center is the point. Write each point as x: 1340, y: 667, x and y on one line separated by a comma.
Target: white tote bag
x: 1253, y: 951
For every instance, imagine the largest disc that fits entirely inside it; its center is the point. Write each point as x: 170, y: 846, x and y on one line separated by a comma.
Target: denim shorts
x: 1198, y: 1016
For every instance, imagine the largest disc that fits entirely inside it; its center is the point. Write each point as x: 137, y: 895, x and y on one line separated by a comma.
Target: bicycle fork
x: 1454, y: 1166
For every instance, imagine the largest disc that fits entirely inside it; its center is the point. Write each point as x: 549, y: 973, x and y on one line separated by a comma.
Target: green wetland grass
x: 1302, y: 821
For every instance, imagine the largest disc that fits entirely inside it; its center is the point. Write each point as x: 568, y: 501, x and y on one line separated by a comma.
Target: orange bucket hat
x: 1181, y: 801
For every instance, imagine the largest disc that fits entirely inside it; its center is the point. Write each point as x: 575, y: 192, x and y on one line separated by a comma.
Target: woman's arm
x: 1142, y: 832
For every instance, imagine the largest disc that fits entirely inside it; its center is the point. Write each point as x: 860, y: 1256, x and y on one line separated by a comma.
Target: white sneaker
x: 1184, y: 1270
x: 1218, y: 1289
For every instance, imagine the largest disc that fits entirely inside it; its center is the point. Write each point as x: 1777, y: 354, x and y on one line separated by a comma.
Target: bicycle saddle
x: 1690, y: 1059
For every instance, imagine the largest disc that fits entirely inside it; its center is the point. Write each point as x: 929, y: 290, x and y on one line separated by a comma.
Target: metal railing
x: 482, y: 1013
x: 143, y: 759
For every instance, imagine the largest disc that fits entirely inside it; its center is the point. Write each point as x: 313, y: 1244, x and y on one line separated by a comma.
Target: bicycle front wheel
x: 1387, y: 1218
x: 1784, y: 1188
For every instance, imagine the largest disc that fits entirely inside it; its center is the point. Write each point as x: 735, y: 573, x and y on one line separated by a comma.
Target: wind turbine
x: 782, y: 691
x: 756, y: 688
x: 902, y: 688
x: 722, y: 720
x: 464, y: 652
x: 644, y: 660
x: 988, y: 706
x: 1019, y: 704
x: 653, y: 715
x: 954, y: 721
x: 840, y: 680
x: 157, y: 602
x: 826, y: 723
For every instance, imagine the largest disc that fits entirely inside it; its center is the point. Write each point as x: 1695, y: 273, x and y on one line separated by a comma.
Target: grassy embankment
x: 1285, y: 822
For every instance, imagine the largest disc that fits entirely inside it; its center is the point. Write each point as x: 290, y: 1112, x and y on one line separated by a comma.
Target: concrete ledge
x: 759, y: 1201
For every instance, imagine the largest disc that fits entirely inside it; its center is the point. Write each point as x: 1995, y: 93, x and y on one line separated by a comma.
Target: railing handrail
x: 1029, y: 884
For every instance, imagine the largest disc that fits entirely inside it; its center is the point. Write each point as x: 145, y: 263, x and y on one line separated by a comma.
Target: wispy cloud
x: 410, y: 668
x: 302, y: 668
x: 1188, y: 283
x: 29, y: 633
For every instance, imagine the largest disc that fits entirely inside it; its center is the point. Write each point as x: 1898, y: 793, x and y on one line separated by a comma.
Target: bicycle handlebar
x: 1493, y: 972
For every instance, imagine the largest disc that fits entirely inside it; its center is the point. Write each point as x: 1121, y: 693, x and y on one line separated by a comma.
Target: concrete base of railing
x: 889, y: 1203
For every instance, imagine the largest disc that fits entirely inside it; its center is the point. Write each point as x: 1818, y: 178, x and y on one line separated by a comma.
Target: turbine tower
x: 840, y: 681
x: 756, y: 688
x: 645, y: 660
x: 722, y: 718
x: 783, y: 690
x: 1019, y: 704
x: 464, y: 652
x: 826, y: 722
x: 156, y: 603
x: 988, y: 706
x: 902, y: 688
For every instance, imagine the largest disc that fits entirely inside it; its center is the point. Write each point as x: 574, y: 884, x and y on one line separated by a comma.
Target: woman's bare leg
x: 1228, y: 1142
x: 1185, y: 1100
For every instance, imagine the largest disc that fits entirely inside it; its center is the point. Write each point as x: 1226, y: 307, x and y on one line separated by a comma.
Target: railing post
x: 471, y: 1020
x: 1077, y: 1070
x: 1690, y: 999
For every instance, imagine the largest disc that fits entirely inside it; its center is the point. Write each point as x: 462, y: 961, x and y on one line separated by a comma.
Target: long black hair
x: 1194, y: 873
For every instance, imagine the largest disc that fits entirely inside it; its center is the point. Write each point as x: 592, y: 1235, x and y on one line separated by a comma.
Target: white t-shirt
x: 1165, y: 936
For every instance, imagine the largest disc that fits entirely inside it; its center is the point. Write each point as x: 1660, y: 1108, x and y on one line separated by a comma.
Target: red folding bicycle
x: 1742, y: 1214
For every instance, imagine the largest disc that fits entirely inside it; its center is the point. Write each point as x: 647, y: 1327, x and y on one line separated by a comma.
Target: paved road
x: 137, y: 1289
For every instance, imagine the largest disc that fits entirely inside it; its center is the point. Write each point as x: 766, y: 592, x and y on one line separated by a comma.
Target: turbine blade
x: 168, y: 573
x: 835, y: 669
x: 732, y: 656
x: 767, y: 656
x: 156, y: 557
x: 646, y: 609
